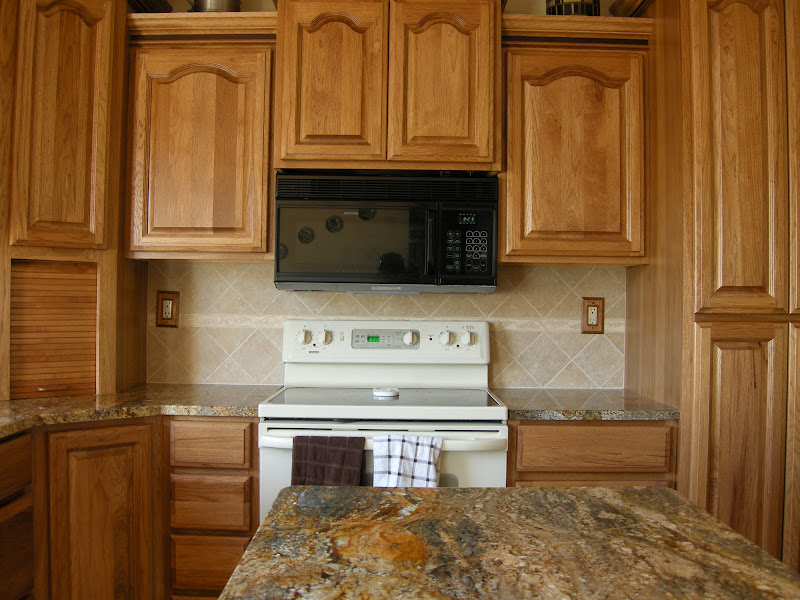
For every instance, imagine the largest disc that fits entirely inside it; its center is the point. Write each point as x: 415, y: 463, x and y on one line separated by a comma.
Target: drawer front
x: 213, y: 443
x: 204, y: 562
x: 15, y: 466
x: 210, y: 501
x: 573, y: 448
x: 16, y: 554
x: 549, y: 483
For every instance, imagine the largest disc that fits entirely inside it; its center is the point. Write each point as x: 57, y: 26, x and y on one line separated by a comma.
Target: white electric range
x: 370, y: 378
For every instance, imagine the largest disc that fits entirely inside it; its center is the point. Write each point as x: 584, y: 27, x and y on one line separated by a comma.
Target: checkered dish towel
x: 406, y: 460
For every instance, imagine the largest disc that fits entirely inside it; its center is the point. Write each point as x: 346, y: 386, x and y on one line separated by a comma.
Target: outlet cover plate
x: 600, y: 304
x: 162, y: 297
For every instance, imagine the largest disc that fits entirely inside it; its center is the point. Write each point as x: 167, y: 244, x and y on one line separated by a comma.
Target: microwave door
x: 356, y: 242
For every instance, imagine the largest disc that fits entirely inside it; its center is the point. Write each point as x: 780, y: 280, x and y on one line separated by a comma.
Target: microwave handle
x: 284, y: 442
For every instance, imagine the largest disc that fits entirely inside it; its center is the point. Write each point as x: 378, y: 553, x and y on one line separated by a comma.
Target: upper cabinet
x: 575, y: 154
x: 65, y: 131
x: 385, y: 82
x: 199, y: 149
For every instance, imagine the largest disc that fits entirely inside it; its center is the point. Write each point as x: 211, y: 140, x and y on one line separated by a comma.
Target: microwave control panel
x: 469, y: 242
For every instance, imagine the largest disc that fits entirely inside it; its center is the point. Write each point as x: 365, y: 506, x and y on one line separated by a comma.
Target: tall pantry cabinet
x: 712, y: 316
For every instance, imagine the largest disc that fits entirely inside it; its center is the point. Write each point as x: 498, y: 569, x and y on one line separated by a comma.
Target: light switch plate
x: 167, y: 308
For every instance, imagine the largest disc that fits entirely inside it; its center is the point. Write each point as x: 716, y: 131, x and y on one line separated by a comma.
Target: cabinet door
x: 200, y: 140
x: 101, y: 519
x: 65, y: 131
x: 791, y: 523
x: 737, y: 430
x: 442, y: 79
x: 575, y: 153
x: 739, y: 119
x: 793, y: 98
x: 332, y: 89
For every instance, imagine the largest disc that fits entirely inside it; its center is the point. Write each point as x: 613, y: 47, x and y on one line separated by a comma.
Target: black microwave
x: 400, y: 233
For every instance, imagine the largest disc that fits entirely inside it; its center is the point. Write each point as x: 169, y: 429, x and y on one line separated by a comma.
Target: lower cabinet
x: 213, y: 503
x: 102, y: 529
x: 576, y: 453
x: 16, y: 519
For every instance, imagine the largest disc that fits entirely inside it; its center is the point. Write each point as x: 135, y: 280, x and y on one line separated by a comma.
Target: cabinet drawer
x: 587, y: 448
x: 15, y: 466
x: 211, y: 443
x: 205, y: 562
x: 210, y: 501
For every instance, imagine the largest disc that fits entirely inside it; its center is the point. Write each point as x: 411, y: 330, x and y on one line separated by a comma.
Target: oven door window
x: 356, y: 241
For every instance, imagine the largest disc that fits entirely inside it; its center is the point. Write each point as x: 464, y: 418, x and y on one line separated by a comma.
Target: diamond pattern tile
x: 232, y: 315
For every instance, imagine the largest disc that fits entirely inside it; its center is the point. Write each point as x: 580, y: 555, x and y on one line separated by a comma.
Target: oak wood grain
x: 205, y: 562
x: 791, y: 511
x: 101, y: 512
x: 738, y: 428
x: 16, y: 460
x: 574, y: 184
x: 443, y: 61
x: 793, y: 102
x: 205, y: 501
x: 575, y: 27
x: 200, y: 129
x: 211, y: 443
x: 17, y: 548
x: 179, y: 25
x: 739, y: 128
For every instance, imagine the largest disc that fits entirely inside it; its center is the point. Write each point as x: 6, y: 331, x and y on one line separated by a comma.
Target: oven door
x: 473, y: 454
x: 324, y: 244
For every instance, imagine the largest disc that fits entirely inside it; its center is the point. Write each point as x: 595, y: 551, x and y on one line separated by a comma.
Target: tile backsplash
x: 231, y: 323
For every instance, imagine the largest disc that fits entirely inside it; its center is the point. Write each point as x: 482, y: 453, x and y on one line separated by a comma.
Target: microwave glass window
x: 388, y: 242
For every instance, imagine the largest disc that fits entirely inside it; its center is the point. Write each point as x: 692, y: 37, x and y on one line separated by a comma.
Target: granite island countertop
x: 321, y: 543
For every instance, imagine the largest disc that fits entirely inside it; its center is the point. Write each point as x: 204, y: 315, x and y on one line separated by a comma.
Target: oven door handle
x: 454, y: 445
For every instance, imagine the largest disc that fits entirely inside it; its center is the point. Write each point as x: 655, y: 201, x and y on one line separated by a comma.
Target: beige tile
x: 572, y: 275
x: 514, y: 376
x: 599, y: 360
x: 174, y: 271
x: 514, y: 341
x: 619, y: 273
x: 515, y: 307
x: 400, y: 307
x: 618, y: 339
x: 600, y: 283
x: 543, y: 290
x: 172, y: 337
x: 155, y: 282
x: 510, y: 275
x: 275, y: 376
x: 370, y: 302
x: 233, y: 272
x: 571, y: 342
x: 457, y: 306
x: 543, y: 359
x: 498, y: 363
x: 200, y: 288
x: 274, y: 335
x: 230, y: 338
x: 257, y: 287
x: 428, y: 303
x: 230, y: 302
x: 488, y: 303
x: 157, y: 354
x: 616, y: 310
x: 569, y: 308
x: 257, y: 356
x: 288, y: 305
x: 315, y: 301
x: 171, y: 372
x: 230, y: 372
x: 343, y: 306
x: 617, y: 380
x: 200, y: 355
x: 570, y: 377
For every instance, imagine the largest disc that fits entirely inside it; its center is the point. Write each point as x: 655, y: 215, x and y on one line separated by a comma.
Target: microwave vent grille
x: 405, y: 189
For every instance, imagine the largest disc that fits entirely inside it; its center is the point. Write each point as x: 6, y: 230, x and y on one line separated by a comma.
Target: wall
x: 231, y: 319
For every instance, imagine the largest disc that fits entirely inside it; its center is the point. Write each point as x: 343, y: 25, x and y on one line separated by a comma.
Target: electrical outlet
x: 167, y: 309
x: 592, y: 315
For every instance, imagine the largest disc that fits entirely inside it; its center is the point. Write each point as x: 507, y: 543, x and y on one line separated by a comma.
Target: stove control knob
x: 465, y: 339
x: 409, y: 338
x: 327, y: 337
x: 446, y: 338
x: 304, y: 336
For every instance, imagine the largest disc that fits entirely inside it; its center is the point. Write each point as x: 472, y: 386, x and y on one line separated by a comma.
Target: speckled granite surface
x: 143, y: 401
x: 582, y: 405
x: 322, y: 543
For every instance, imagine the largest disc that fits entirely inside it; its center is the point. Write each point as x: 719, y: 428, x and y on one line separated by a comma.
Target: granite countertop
x: 534, y: 404
x: 321, y: 543
x: 143, y: 401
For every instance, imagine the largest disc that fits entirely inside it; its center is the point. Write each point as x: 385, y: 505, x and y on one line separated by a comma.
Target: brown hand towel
x: 320, y: 460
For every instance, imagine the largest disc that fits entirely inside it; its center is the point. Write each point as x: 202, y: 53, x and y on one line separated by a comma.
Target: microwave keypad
x: 470, y: 251
x: 453, y: 250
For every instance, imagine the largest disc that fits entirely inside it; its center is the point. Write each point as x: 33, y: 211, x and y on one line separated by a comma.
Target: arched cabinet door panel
x: 200, y: 143
x: 575, y: 153
x: 67, y: 121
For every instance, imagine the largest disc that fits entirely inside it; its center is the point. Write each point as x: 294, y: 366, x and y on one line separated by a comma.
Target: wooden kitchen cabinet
x: 213, y: 500
x: 16, y: 518
x: 200, y: 116
x: 103, y: 526
x: 67, y: 121
x: 575, y: 154
x: 738, y: 427
x: 431, y: 65
x: 558, y: 454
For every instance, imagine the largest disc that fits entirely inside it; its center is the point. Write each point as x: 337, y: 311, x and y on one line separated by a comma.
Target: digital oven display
x: 373, y: 338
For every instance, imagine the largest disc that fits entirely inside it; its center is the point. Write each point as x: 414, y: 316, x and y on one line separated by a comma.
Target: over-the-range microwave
x: 398, y: 233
